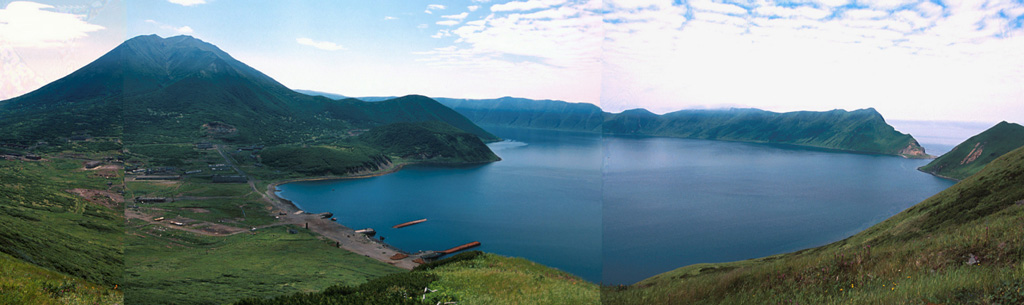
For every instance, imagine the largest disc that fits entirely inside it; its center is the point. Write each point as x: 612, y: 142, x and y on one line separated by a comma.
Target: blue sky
x: 910, y: 59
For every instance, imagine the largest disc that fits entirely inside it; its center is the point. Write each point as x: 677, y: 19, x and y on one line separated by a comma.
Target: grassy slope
x: 494, y: 279
x: 992, y: 143
x: 859, y: 131
x: 526, y: 113
x: 433, y: 141
x: 916, y: 257
x: 467, y: 278
x: 173, y: 267
x: 24, y: 283
x: 42, y: 223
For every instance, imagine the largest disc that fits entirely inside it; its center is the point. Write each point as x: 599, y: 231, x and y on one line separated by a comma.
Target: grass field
x: 494, y: 279
x: 24, y: 283
x: 165, y: 266
x: 42, y: 223
x: 470, y: 278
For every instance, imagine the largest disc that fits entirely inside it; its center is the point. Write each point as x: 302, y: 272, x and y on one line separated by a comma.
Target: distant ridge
x: 860, y: 131
x: 972, y: 155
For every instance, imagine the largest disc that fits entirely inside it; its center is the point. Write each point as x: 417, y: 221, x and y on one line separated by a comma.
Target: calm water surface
x: 620, y: 209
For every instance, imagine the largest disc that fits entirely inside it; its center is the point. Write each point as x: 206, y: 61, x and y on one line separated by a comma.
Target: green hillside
x: 181, y: 89
x: 964, y: 245
x: 44, y: 223
x: 467, y: 278
x: 144, y: 107
x: 24, y: 283
x: 429, y: 141
x: 972, y: 155
x: 526, y: 113
x: 863, y: 131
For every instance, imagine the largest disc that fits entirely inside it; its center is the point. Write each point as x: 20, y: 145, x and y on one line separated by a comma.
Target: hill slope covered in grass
x: 24, y: 283
x: 429, y: 141
x: 972, y: 155
x: 964, y: 245
x: 862, y: 130
x: 179, y: 89
x: 467, y: 278
x: 42, y: 222
x: 527, y: 113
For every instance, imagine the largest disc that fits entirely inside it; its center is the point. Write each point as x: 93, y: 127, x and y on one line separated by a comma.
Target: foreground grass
x: 166, y: 266
x: 964, y: 245
x: 467, y: 278
x: 24, y: 283
x: 494, y: 279
x: 44, y: 224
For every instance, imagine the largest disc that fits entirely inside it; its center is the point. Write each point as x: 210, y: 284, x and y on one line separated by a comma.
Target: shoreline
x: 344, y: 236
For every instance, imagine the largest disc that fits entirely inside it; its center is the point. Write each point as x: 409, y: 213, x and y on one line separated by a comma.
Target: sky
x: 926, y: 60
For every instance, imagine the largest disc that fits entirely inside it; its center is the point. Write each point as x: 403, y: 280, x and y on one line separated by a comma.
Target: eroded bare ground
x: 105, y: 198
x: 189, y: 225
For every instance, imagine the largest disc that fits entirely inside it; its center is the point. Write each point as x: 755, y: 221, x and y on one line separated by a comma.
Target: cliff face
x: 914, y: 151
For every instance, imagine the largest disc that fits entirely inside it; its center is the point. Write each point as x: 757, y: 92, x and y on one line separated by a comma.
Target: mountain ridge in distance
x: 859, y: 131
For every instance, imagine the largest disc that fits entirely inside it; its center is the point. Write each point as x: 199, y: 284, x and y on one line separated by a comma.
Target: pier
x: 402, y: 225
x: 462, y: 247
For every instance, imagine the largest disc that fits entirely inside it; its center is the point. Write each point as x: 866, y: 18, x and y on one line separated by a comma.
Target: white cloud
x: 18, y: 77
x: 422, y: 26
x: 723, y: 8
x: 456, y: 17
x: 390, y: 18
x: 542, y: 49
x: 323, y: 45
x: 526, y: 6
x: 909, y: 59
x: 433, y: 7
x: 187, y: 2
x: 473, y: 8
x: 33, y: 25
x: 887, y: 4
x: 448, y: 22
x: 792, y: 12
x: 182, y: 30
x: 442, y: 33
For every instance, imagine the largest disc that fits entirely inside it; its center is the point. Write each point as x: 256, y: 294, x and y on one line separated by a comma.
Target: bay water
x: 617, y: 210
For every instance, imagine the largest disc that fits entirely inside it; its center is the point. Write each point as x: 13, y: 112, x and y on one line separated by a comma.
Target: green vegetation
x: 24, y: 283
x: 863, y: 131
x: 42, y: 223
x: 325, y: 160
x: 493, y: 279
x: 526, y: 113
x: 467, y: 278
x: 165, y: 154
x: 972, y: 155
x: 167, y: 266
x: 151, y: 90
x: 433, y: 141
x: 964, y: 245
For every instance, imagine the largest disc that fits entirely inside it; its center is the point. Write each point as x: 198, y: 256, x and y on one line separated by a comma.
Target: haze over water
x: 619, y: 209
